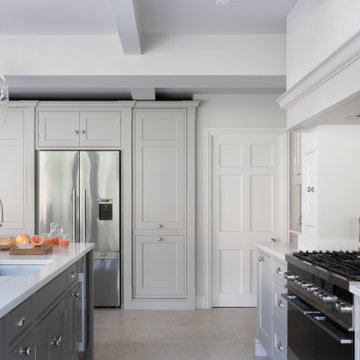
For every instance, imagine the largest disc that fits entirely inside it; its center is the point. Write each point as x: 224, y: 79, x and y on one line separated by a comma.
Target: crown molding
x: 340, y: 59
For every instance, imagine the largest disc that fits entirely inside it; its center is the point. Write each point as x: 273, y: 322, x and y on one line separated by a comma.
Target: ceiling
x: 50, y: 17
x: 150, y: 17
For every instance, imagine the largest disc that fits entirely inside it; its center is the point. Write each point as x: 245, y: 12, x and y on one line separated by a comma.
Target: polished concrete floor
x: 215, y: 334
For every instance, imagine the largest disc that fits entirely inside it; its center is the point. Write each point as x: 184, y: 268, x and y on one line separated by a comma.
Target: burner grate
x: 345, y: 263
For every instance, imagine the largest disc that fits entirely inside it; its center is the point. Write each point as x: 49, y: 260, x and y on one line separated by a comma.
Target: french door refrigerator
x: 81, y: 191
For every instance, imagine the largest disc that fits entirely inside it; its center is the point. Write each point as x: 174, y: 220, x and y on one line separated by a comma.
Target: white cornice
x: 22, y: 104
x: 336, y: 62
x: 86, y: 104
x: 166, y: 104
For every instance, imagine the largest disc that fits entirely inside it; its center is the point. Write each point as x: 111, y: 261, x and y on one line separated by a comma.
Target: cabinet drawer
x: 71, y: 274
x: 279, y: 344
x: 23, y: 349
x: 279, y: 269
x: 49, y: 294
x: 18, y: 320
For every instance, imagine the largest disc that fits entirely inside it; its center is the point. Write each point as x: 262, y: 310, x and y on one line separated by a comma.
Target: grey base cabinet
x: 56, y: 323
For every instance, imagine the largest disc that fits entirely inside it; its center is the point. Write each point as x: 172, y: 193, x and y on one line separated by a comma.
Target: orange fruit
x: 37, y: 240
x: 23, y: 239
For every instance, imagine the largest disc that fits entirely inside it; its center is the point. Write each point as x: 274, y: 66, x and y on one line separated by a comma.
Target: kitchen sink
x: 18, y: 269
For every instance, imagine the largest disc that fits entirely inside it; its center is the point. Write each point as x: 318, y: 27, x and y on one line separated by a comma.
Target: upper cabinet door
x: 160, y: 169
x: 100, y: 129
x: 12, y: 196
x: 58, y: 128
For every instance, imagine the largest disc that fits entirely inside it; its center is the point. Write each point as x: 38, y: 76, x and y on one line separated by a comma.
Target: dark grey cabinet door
x: 24, y: 349
x: 49, y: 334
x: 71, y: 326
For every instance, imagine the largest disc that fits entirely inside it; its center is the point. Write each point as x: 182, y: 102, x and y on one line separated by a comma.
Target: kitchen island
x: 46, y: 304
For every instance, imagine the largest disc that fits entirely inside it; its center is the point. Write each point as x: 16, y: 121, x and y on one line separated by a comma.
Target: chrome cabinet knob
x: 159, y: 239
x: 310, y: 189
x: 278, y: 271
x: 25, y: 350
x: 159, y: 226
x: 76, y: 294
x: 76, y: 131
x: 21, y: 321
x: 56, y: 341
x: 83, y: 132
x: 280, y: 346
x: 280, y: 304
x: 73, y: 275
x: 261, y: 258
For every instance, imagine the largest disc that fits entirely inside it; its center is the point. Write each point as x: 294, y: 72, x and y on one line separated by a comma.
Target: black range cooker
x: 320, y: 306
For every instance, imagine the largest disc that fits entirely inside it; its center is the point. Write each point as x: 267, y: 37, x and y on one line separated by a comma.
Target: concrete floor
x: 215, y: 334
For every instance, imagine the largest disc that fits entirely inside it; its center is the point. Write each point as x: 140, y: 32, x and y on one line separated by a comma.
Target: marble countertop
x: 15, y: 289
x: 277, y: 249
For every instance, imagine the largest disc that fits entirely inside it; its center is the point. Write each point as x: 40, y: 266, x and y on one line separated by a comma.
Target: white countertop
x: 355, y: 288
x: 277, y: 249
x: 15, y: 289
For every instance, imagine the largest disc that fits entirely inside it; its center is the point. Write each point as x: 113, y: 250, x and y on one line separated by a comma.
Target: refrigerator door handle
x: 84, y: 216
x: 74, y: 214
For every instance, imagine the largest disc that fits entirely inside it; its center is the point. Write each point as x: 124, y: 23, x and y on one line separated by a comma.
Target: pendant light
x: 4, y: 98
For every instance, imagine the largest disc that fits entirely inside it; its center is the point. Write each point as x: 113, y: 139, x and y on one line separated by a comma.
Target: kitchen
x: 224, y: 126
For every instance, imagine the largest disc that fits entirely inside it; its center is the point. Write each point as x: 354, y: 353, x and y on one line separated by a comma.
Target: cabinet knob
x: 261, y: 258
x: 280, y: 304
x: 21, y: 321
x: 310, y: 189
x: 76, y: 131
x: 56, y: 341
x: 73, y: 275
x: 76, y: 294
x: 159, y: 226
x: 159, y: 239
x: 83, y: 132
x: 280, y: 346
x: 278, y: 271
x: 25, y: 350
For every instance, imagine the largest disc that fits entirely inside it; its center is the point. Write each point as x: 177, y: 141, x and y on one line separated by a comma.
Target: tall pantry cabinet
x: 164, y: 205
x: 17, y: 169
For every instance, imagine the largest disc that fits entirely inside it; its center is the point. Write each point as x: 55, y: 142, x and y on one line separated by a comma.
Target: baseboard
x: 200, y: 302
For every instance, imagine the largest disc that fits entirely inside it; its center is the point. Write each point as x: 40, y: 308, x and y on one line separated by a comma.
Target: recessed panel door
x: 243, y: 211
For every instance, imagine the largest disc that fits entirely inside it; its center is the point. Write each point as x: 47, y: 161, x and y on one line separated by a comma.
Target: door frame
x: 283, y: 159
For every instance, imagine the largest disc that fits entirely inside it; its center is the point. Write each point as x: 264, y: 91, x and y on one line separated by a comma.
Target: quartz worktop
x: 15, y: 289
x: 277, y: 249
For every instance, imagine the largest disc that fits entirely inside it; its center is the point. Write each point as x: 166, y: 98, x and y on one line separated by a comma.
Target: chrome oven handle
x: 84, y: 216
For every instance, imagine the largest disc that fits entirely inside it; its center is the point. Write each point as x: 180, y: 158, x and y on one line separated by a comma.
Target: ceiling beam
x: 125, y: 14
x: 143, y: 93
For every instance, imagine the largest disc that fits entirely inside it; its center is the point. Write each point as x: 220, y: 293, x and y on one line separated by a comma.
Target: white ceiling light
x: 4, y: 98
x: 222, y: 2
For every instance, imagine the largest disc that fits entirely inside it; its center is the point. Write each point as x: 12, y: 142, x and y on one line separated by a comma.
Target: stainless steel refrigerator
x: 81, y: 191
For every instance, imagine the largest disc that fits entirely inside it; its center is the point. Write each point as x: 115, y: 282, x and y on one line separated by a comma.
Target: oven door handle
x: 299, y: 305
x: 320, y: 320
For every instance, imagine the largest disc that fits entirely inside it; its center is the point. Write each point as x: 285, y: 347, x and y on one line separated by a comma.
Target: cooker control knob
x: 319, y: 294
x: 328, y: 298
x: 306, y: 284
x: 343, y: 308
x: 311, y: 289
x: 290, y: 276
x: 298, y: 282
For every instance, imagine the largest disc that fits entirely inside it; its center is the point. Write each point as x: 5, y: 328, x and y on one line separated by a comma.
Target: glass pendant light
x: 4, y: 98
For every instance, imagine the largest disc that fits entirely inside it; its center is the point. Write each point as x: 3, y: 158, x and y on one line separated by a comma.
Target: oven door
x: 312, y: 335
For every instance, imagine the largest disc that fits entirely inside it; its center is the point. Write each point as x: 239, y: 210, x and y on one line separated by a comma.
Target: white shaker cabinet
x: 164, y: 205
x: 160, y: 174
x: 330, y: 188
x: 17, y: 169
x: 84, y: 125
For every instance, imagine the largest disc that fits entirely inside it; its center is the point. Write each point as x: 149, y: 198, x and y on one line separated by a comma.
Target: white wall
x: 315, y: 29
x: 226, y: 111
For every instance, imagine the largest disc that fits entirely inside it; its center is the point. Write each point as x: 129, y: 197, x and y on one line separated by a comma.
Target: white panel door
x: 160, y: 267
x: 58, y: 128
x: 160, y: 169
x: 12, y: 199
x: 309, y: 195
x: 244, y: 196
x: 100, y: 129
